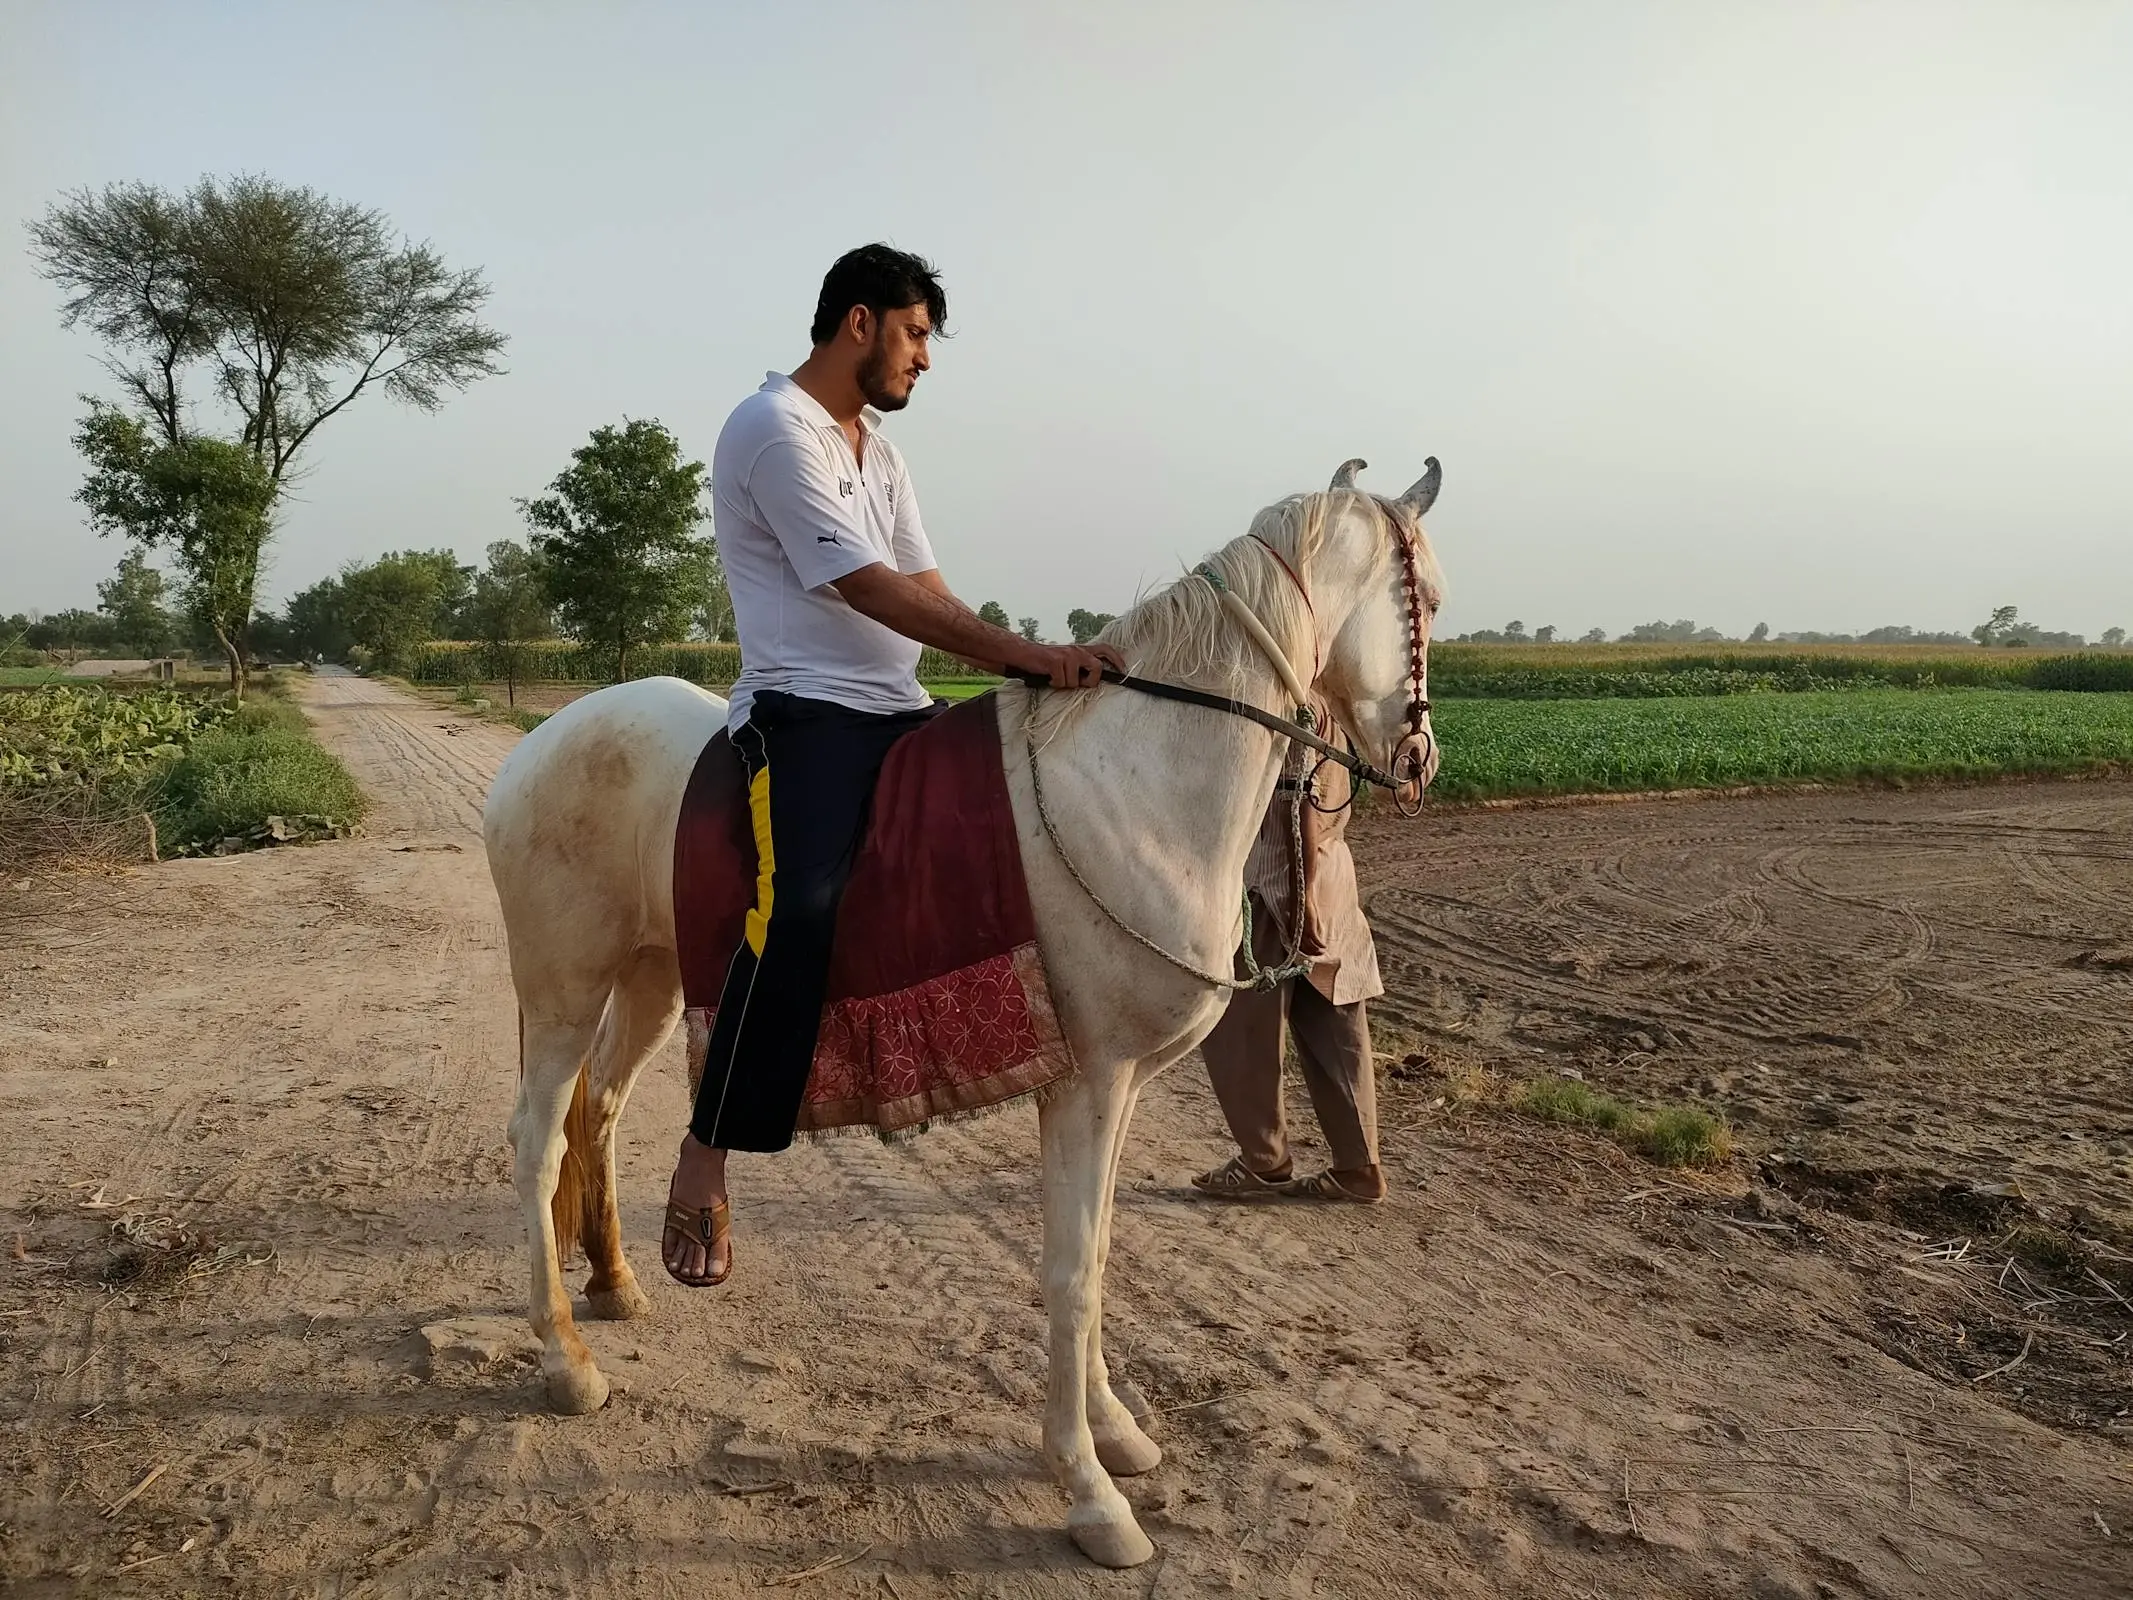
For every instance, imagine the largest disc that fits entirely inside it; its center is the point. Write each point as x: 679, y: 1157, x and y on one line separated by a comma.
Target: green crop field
x: 1616, y: 671
x: 1498, y: 748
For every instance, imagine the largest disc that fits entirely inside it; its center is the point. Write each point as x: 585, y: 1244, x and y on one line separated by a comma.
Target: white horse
x: 1155, y: 802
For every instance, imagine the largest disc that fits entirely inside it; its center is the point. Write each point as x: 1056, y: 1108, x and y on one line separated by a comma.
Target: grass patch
x: 1669, y: 1136
x: 260, y: 764
x: 1568, y: 1100
x: 1682, y: 1136
x: 1496, y: 748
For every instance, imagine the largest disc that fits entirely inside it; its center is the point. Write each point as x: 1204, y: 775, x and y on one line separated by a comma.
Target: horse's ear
x: 1424, y: 493
x: 1344, y: 474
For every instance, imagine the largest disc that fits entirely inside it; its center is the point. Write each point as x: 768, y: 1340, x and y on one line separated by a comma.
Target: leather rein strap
x: 1361, y: 769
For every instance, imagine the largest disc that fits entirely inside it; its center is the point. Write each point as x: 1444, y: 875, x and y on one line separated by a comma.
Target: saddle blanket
x: 937, y: 1004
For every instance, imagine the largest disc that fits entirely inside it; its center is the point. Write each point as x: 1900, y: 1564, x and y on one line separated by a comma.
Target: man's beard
x: 874, y: 382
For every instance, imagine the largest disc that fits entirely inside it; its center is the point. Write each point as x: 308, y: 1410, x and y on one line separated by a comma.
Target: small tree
x: 1514, y: 632
x: 714, y: 616
x: 134, y: 601
x: 995, y: 613
x: 1759, y: 633
x: 616, y: 540
x: 509, y: 610
x: 314, y: 623
x: 2113, y: 638
x: 207, y: 502
x: 1997, y: 628
x: 1593, y: 636
x: 1029, y: 628
x: 1086, y: 625
x: 1544, y: 635
x: 400, y: 601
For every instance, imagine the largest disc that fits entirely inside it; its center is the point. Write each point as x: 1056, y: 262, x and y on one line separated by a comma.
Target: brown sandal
x: 709, y: 1226
x: 1327, y: 1185
x: 1233, y: 1180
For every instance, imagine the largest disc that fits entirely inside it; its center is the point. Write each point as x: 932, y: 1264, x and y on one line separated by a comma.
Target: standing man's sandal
x: 1330, y: 1185
x: 1233, y: 1180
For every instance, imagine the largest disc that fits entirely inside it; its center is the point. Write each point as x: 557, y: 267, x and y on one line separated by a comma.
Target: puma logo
x: 825, y: 538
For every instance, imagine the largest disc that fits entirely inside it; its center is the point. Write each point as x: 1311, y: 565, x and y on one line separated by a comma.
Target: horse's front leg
x: 1079, y: 1125
x: 1121, y: 1445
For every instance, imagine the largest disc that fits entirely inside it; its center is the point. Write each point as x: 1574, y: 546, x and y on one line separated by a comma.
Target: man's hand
x: 1070, y: 666
x: 920, y: 607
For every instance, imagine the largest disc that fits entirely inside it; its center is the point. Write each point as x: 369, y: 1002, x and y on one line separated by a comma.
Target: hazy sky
x: 1819, y: 315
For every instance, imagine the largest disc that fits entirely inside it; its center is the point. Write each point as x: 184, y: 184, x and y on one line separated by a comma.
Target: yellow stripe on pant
x: 758, y: 923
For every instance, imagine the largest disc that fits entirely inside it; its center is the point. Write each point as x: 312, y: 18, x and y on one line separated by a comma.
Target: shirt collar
x: 782, y: 383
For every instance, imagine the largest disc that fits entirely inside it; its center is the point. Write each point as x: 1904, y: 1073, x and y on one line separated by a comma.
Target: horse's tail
x: 571, y: 1209
x: 573, y: 1205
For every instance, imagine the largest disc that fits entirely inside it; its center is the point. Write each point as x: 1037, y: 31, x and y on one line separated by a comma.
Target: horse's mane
x: 1183, y: 634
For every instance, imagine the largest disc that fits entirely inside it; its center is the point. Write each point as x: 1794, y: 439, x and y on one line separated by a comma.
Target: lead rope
x: 1257, y: 977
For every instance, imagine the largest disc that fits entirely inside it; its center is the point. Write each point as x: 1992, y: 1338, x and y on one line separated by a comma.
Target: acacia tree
x: 615, y: 534
x: 1031, y: 629
x: 281, y: 305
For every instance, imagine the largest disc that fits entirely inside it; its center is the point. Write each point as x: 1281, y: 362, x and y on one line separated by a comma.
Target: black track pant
x: 811, y: 771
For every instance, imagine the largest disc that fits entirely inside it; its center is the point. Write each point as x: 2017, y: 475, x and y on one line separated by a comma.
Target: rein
x: 1302, y: 730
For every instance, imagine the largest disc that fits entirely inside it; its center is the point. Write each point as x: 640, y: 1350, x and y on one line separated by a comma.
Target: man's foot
x: 1233, y: 1180
x: 1361, y: 1185
x: 697, y: 1241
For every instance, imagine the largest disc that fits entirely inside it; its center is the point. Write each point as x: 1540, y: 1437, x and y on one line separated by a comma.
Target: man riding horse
x: 835, y: 590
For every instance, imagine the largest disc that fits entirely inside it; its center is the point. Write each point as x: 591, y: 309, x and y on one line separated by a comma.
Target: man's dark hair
x: 881, y: 279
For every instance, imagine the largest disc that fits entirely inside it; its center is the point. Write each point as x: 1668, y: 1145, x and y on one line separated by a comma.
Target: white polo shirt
x: 794, y: 512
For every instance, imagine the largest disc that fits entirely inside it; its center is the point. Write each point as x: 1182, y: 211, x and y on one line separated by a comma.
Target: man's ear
x: 860, y: 320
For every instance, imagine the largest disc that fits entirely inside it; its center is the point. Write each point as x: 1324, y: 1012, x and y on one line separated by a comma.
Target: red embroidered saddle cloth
x: 937, y: 1004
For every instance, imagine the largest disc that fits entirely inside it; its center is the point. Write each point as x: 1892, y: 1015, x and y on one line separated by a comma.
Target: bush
x: 261, y: 763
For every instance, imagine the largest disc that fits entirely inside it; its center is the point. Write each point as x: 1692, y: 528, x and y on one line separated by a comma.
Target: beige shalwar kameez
x: 1324, y: 1009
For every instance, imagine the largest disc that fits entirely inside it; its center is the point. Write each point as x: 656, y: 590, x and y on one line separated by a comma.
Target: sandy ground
x: 1543, y: 1369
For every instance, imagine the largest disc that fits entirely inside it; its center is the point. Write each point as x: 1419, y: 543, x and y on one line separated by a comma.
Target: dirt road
x: 1541, y: 1370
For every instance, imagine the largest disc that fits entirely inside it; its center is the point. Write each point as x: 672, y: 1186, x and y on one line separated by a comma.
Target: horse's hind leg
x: 1076, y: 1125
x: 641, y: 1012
x: 552, y: 1055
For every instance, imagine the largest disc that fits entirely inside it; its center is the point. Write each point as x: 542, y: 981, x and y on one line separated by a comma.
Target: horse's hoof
x: 1128, y: 1453
x: 576, y: 1390
x: 1110, y: 1539
x: 619, y: 1301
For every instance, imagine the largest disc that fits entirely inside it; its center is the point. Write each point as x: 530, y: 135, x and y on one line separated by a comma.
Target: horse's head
x: 1377, y: 586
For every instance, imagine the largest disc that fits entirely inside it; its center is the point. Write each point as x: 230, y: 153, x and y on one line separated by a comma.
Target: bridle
x: 1411, y: 756
x: 1410, y: 761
